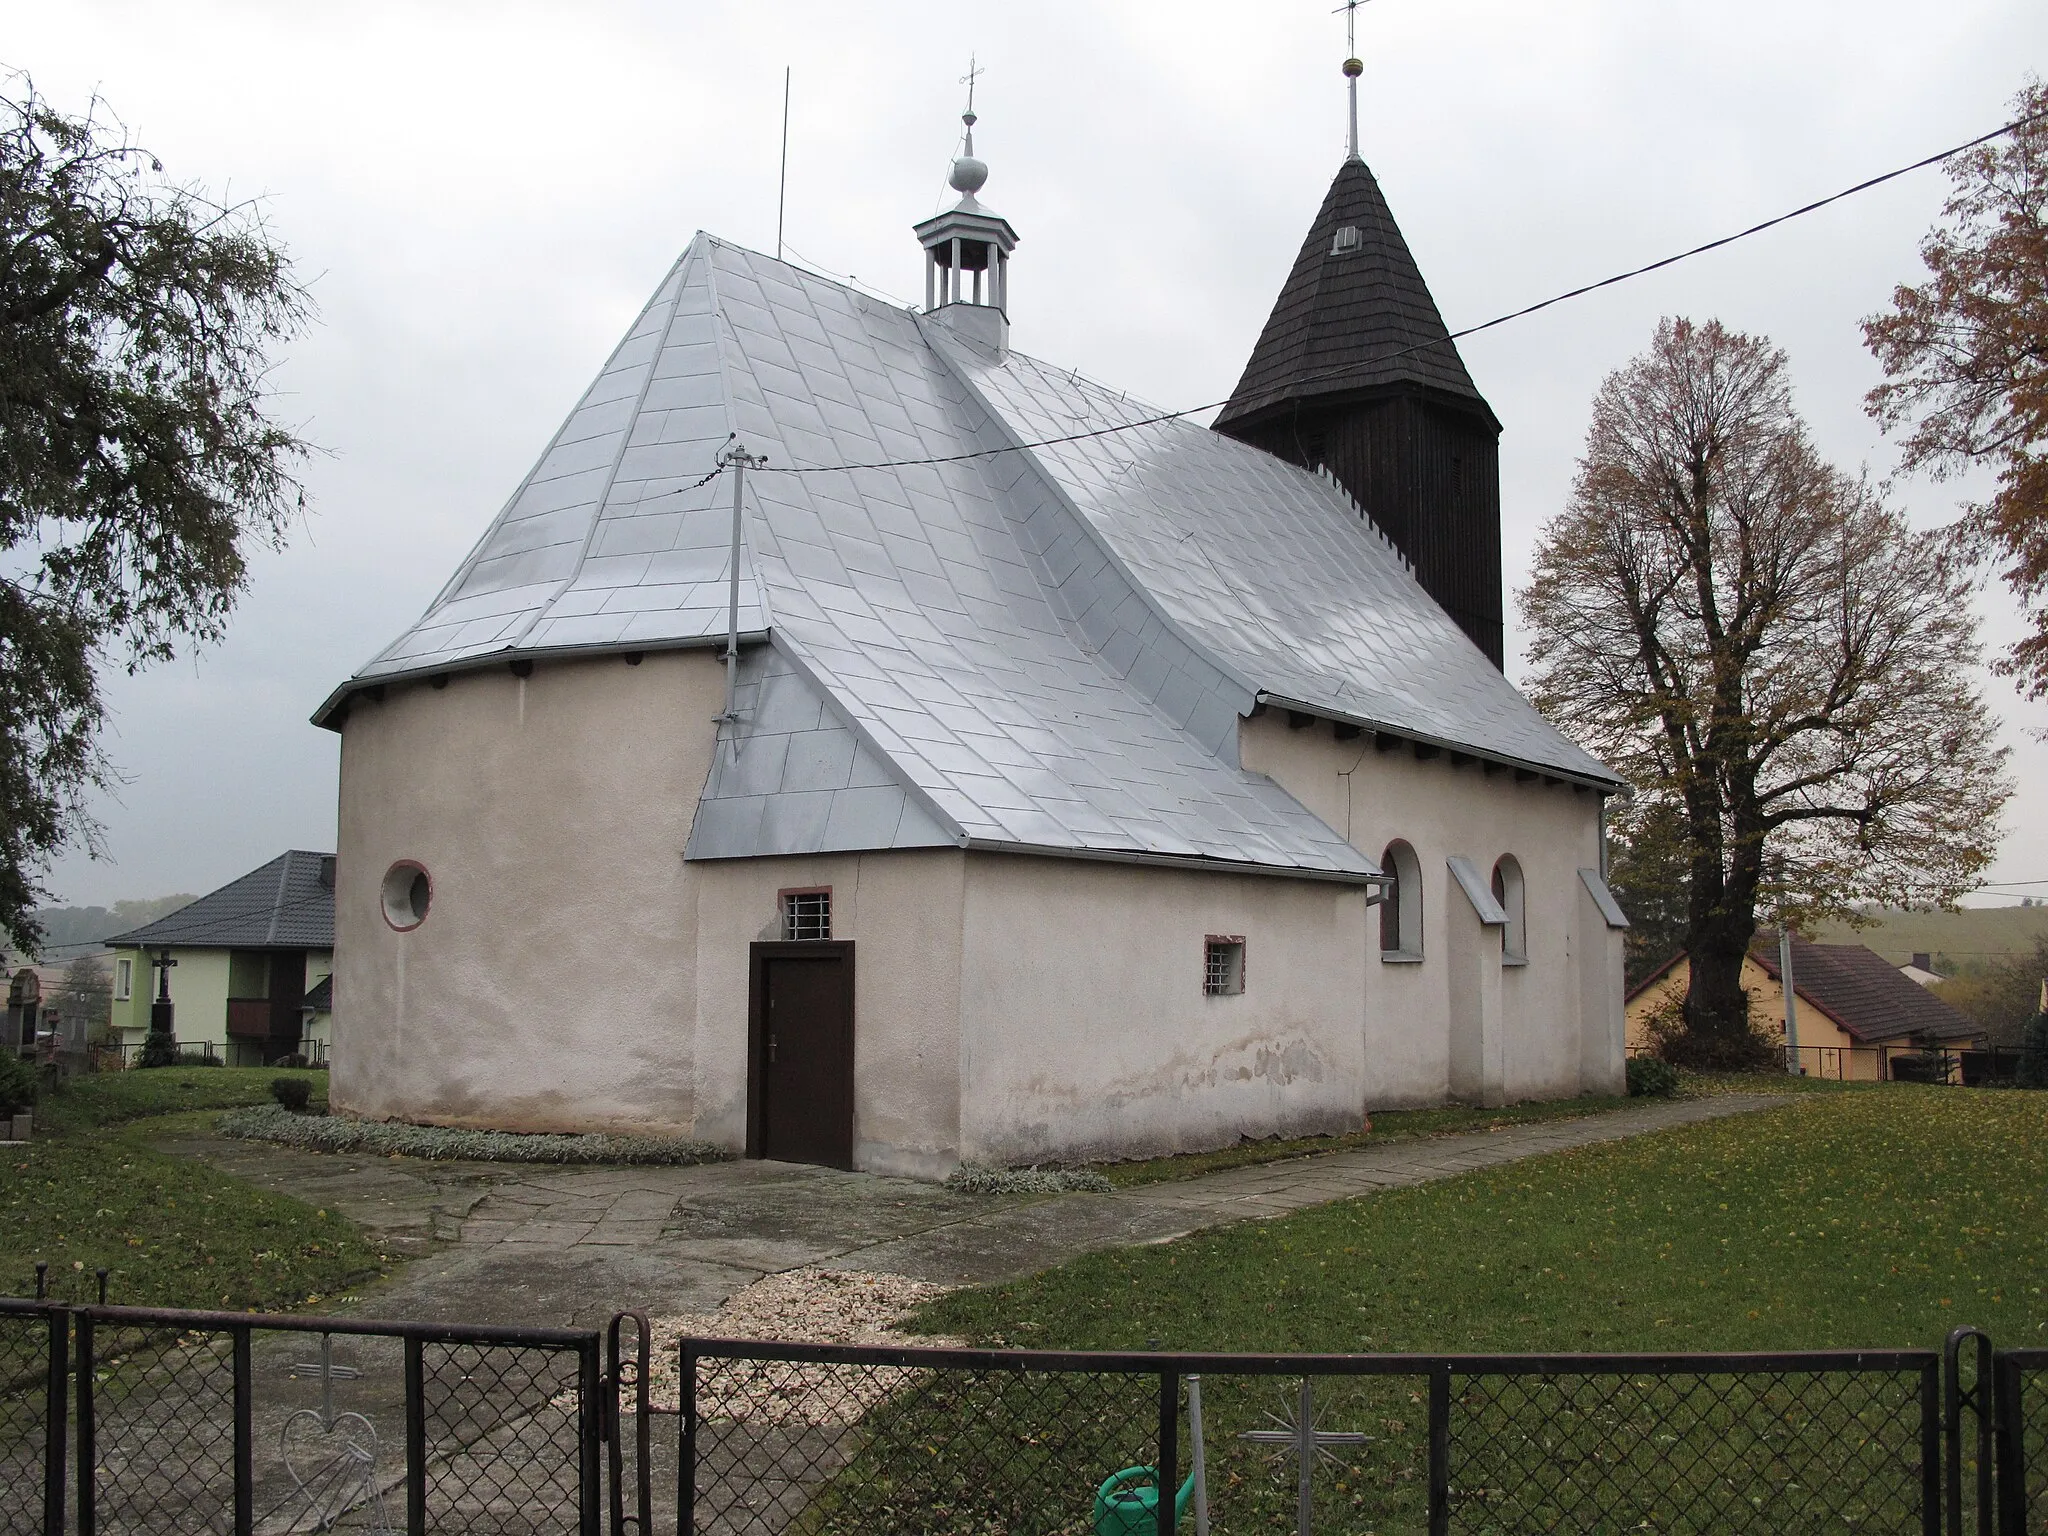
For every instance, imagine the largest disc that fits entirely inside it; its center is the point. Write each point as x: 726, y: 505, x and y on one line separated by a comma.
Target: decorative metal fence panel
x: 234, y: 1423
x: 822, y: 1439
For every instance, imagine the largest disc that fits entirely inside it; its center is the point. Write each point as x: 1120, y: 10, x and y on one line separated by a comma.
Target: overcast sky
x: 482, y: 196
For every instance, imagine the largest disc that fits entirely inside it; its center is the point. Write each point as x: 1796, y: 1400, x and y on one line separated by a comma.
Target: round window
x: 407, y: 895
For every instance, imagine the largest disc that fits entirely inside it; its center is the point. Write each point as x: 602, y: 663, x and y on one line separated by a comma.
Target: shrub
x: 2032, y: 1071
x: 197, y: 1059
x: 976, y: 1180
x: 17, y: 1084
x: 292, y: 1093
x: 322, y: 1133
x: 1649, y: 1078
x: 158, y: 1050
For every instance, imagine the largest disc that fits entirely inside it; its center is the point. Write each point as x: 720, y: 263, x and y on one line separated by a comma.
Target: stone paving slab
x: 567, y: 1246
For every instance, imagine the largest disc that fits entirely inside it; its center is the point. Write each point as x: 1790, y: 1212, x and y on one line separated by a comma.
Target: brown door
x: 800, y: 1079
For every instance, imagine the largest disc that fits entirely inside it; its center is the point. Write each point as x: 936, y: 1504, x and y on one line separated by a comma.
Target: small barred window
x: 1346, y: 242
x: 1223, y: 966
x: 807, y: 914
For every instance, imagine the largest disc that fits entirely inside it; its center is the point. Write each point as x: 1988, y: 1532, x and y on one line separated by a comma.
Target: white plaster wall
x: 902, y: 910
x: 1374, y: 797
x: 553, y: 983
x: 1085, y: 1031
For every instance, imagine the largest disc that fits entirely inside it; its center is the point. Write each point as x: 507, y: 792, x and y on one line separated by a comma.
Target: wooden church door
x: 800, y: 1059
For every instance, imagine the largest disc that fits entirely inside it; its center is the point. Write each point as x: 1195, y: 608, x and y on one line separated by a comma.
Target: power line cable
x: 1470, y: 330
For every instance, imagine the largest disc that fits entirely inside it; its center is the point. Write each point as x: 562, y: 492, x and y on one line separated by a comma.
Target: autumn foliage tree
x: 1779, y: 665
x: 139, y: 463
x: 1966, y: 359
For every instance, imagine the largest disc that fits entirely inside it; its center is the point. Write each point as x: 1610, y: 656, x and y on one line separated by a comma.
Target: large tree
x: 1966, y: 360
x: 1768, y: 653
x: 138, y: 460
x: 86, y: 992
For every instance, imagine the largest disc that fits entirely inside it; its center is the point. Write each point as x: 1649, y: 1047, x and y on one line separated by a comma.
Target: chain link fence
x: 238, y: 1424
x: 821, y: 1439
x: 2021, y: 1421
x: 33, y: 1413
x: 261, y: 1425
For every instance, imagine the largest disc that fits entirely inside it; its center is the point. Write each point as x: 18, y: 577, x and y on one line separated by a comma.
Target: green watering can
x: 1127, y: 1503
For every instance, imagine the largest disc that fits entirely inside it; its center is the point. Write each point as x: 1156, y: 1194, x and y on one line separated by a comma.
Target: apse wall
x: 552, y: 982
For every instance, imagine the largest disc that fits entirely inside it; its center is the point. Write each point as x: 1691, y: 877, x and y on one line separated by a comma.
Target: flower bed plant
x: 322, y: 1133
x: 975, y: 1180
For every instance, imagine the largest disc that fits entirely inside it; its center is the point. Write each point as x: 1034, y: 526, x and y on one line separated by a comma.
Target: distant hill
x: 72, y: 931
x: 1973, y: 939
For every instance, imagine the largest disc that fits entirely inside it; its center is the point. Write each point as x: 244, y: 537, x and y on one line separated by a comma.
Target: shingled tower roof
x: 1351, y: 318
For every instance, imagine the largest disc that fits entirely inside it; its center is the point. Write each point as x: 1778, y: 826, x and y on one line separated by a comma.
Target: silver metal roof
x: 1045, y: 649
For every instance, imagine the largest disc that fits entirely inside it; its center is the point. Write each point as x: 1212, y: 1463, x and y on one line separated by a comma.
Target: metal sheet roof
x: 1046, y: 649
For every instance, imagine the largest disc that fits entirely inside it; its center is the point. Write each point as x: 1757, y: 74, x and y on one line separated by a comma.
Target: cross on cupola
x: 967, y: 253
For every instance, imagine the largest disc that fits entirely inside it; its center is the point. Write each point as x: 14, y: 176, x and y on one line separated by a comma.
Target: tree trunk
x: 1718, y: 1032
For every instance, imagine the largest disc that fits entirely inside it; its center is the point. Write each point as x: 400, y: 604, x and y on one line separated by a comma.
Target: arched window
x: 1401, y: 905
x: 1508, y: 891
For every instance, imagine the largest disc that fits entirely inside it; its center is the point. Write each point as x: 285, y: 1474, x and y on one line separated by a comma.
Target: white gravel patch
x: 798, y: 1306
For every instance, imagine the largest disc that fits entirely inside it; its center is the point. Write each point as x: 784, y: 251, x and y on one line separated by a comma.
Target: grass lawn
x: 1448, y: 1120
x: 1387, y: 1125
x: 89, y: 1192
x: 1874, y: 1217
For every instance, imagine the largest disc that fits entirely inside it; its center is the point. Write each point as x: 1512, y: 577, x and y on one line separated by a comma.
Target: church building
x: 858, y: 742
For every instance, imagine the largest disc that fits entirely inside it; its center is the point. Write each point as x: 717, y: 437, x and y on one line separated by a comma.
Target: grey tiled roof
x: 1347, y: 320
x: 1865, y: 993
x: 1029, y: 649
x: 283, y: 905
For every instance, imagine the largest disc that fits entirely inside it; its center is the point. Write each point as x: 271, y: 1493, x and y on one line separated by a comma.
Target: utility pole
x: 1791, y: 1002
x: 738, y: 460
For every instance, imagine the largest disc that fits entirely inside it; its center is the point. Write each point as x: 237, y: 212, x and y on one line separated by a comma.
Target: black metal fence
x: 828, y: 1439
x: 211, y: 1422
x: 121, y: 1420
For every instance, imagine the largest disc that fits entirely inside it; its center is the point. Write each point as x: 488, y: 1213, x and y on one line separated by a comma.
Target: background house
x: 1920, y: 970
x: 1856, y: 1009
x: 253, y: 961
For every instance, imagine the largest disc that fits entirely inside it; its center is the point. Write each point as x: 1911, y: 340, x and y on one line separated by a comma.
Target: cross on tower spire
x: 974, y: 71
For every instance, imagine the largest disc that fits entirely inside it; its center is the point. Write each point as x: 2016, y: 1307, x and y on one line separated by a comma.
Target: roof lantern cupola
x: 967, y: 256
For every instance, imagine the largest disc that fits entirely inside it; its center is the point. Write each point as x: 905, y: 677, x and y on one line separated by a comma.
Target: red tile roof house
x: 1857, y: 1011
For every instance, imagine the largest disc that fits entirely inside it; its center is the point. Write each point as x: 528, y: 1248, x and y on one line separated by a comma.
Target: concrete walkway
x: 570, y: 1246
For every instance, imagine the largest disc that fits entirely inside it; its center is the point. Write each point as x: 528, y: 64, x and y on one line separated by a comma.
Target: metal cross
x: 1305, y: 1442
x: 1350, y: 10
x: 968, y: 80
x: 329, y: 1374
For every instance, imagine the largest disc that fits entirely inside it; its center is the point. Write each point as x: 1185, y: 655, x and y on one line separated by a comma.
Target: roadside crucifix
x: 1305, y: 1442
